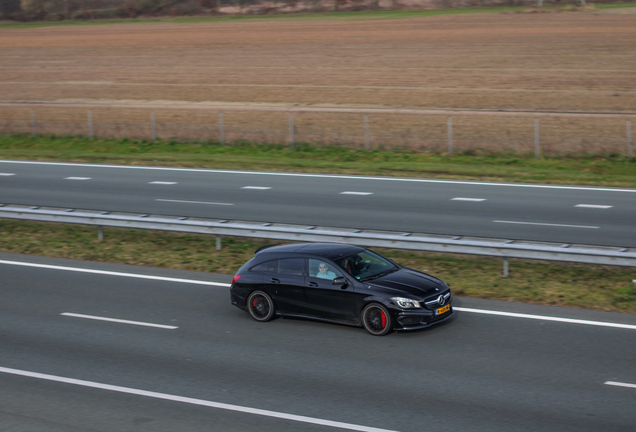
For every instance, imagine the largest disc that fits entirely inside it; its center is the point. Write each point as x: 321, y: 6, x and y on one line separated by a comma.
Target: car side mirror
x: 339, y: 281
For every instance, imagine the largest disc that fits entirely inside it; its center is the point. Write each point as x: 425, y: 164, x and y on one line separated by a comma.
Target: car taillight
x: 236, y: 277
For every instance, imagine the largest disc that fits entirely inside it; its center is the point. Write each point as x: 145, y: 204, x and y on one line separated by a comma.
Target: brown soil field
x: 506, y: 61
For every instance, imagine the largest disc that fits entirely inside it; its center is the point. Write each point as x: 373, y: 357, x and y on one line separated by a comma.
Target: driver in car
x: 324, y: 272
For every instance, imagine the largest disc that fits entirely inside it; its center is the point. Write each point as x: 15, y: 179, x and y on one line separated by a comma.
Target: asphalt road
x: 477, y: 372
x: 572, y: 215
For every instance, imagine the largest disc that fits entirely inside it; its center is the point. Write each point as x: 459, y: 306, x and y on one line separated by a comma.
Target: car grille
x: 434, y: 302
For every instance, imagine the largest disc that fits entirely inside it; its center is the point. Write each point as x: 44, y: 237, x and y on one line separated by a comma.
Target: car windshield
x: 366, y: 265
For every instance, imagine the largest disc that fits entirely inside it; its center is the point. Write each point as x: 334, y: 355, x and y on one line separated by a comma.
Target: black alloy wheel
x: 260, y: 306
x: 376, y: 319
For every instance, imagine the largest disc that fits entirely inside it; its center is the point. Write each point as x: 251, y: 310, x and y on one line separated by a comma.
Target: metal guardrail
x: 386, y: 239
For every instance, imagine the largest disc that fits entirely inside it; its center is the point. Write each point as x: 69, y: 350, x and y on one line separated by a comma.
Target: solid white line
x: 620, y: 384
x: 192, y: 401
x: 468, y: 199
x: 546, y: 224
x: 195, y: 202
x: 77, y: 178
x: 256, y: 187
x: 163, y: 182
x: 355, y: 193
x: 227, y: 285
x: 109, y: 273
x: 352, y: 177
x: 139, y: 323
x: 7, y: 174
x: 547, y: 318
x: 594, y: 206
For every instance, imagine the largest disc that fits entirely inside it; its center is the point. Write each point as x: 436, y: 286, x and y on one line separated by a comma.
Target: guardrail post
x: 33, y: 132
x: 153, y: 126
x: 291, y: 130
x: 505, y: 267
x: 367, y: 146
x: 100, y: 233
x: 536, y: 139
x: 218, y: 242
x: 449, y: 124
x: 221, y: 130
x: 90, y: 125
x: 629, y: 139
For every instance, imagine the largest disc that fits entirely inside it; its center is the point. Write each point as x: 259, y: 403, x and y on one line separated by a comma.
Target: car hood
x: 407, y: 281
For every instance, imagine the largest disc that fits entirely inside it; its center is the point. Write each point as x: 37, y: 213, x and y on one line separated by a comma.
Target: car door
x: 284, y: 280
x: 324, y: 299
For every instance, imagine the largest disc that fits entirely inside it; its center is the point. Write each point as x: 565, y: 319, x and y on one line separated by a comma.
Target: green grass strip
x: 575, y: 285
x: 609, y: 170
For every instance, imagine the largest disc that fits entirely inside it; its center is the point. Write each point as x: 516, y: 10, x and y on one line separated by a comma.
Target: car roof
x: 326, y: 250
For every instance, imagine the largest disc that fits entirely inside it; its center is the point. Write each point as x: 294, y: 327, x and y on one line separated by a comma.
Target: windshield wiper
x: 384, y: 273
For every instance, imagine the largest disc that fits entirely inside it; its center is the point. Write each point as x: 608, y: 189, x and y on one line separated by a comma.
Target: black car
x: 339, y: 283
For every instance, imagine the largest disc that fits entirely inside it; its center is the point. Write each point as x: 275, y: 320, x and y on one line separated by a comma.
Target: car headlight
x: 406, y: 303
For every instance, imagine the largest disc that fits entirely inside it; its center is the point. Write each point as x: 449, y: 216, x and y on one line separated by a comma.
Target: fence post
x: 291, y: 130
x: 90, y: 125
x: 537, y: 151
x: 449, y: 124
x: 505, y: 267
x: 100, y: 233
x: 367, y: 146
x: 629, y: 139
x: 153, y: 126
x: 221, y: 131
x: 33, y: 131
x: 218, y: 242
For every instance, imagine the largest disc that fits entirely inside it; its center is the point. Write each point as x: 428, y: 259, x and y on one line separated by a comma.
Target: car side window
x: 322, y: 270
x: 269, y: 266
x: 292, y: 266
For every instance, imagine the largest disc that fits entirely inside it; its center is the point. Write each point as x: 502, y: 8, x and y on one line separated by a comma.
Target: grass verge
x: 574, y: 285
x: 612, y: 170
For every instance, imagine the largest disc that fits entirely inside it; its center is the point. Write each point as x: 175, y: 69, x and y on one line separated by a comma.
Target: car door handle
x: 312, y: 284
x: 274, y: 280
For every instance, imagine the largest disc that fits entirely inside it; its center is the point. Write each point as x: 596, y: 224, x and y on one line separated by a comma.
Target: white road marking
x: 139, y: 323
x: 329, y: 176
x: 192, y: 401
x: 355, y: 193
x: 195, y: 202
x: 468, y: 199
x: 620, y: 384
x: 594, y: 206
x: 256, y: 187
x: 227, y: 285
x: 547, y: 318
x: 77, y: 178
x: 547, y: 224
x: 163, y: 182
x: 6, y: 174
x: 109, y: 273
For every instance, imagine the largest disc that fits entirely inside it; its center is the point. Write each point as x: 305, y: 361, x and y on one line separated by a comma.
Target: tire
x: 260, y: 306
x: 376, y: 319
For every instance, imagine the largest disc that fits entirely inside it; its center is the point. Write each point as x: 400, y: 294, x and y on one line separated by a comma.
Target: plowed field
x: 548, y: 61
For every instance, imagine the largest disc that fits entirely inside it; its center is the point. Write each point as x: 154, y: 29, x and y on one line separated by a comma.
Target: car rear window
x: 269, y: 266
x: 292, y: 266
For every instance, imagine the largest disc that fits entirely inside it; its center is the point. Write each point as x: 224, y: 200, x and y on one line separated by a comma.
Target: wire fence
x: 462, y: 134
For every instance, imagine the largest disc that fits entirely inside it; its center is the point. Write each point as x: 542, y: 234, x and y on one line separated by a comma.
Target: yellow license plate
x: 442, y: 310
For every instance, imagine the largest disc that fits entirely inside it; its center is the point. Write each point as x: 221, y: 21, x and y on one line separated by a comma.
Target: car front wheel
x: 376, y: 319
x: 260, y: 306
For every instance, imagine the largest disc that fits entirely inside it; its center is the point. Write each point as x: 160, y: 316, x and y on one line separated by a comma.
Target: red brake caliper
x: 383, y: 315
x: 254, y: 303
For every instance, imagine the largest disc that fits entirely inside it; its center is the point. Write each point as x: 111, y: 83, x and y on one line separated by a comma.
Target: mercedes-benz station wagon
x: 339, y: 283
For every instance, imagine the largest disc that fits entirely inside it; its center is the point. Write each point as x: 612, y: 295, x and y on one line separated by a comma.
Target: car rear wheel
x: 376, y: 319
x: 260, y: 306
